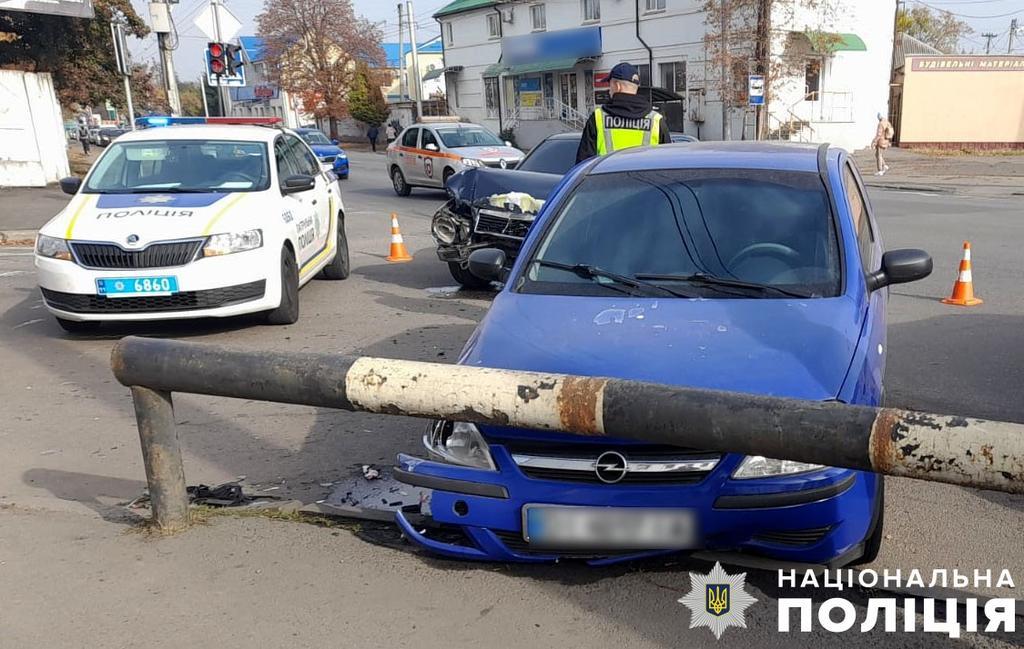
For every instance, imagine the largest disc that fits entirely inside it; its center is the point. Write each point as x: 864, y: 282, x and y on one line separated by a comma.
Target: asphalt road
x: 69, y: 454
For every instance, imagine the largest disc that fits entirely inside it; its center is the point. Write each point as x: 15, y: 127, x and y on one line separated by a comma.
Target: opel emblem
x: 502, y: 163
x: 611, y: 467
x: 132, y: 239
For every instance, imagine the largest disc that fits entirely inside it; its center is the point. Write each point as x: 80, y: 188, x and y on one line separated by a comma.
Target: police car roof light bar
x: 150, y: 121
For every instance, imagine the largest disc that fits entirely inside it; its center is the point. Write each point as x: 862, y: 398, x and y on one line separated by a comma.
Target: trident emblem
x: 718, y: 599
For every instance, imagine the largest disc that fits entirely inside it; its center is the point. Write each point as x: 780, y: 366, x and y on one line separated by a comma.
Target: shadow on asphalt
x: 88, y: 489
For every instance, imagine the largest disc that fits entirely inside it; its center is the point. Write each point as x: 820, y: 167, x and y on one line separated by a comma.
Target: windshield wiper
x: 713, y: 281
x: 594, y: 272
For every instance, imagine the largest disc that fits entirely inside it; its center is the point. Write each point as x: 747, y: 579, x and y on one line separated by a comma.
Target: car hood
x: 489, y: 153
x: 322, y: 150
x: 153, y: 217
x: 474, y: 185
x: 782, y: 347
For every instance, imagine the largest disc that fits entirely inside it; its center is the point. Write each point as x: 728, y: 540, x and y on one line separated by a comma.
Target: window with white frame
x: 655, y: 5
x: 493, y: 26
x: 591, y: 10
x: 448, y: 34
x: 673, y: 76
x: 538, y: 18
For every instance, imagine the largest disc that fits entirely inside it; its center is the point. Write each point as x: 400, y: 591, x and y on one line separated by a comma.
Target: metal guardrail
x: 939, y: 448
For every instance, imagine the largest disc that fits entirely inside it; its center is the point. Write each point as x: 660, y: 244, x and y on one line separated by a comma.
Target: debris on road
x: 370, y: 473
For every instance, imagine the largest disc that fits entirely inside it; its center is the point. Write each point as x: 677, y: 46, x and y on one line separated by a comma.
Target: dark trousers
x: 85, y: 144
x: 373, y: 144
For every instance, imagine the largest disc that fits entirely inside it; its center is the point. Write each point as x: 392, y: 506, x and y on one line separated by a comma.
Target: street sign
x: 208, y: 23
x: 755, y: 89
x: 120, y: 49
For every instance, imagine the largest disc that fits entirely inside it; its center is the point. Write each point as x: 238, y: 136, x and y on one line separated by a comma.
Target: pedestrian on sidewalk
x: 390, y: 133
x: 882, y: 141
x: 372, y: 136
x: 83, y: 136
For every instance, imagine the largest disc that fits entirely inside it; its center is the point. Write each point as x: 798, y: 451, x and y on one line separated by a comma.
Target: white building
x: 261, y: 97
x: 540, y: 66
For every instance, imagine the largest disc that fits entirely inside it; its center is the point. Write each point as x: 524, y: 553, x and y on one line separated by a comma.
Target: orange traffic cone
x: 963, y: 289
x: 398, y: 249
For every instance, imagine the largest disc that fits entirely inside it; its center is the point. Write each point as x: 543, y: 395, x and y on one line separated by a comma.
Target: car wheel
x: 288, y: 311
x: 402, y: 188
x: 465, y: 278
x: 339, y: 266
x: 873, y: 543
x: 78, y: 326
x: 448, y: 173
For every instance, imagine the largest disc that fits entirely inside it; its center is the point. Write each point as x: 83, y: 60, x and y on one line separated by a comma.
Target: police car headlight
x: 52, y: 247
x: 458, y: 443
x: 758, y: 466
x: 231, y: 242
x: 472, y: 162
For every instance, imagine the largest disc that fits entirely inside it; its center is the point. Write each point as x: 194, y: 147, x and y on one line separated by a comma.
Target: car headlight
x: 458, y: 443
x: 445, y: 229
x: 230, y: 242
x: 472, y: 162
x: 342, y: 156
x: 758, y: 466
x: 52, y: 247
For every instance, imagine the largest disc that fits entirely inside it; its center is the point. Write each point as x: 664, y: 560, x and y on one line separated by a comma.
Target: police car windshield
x: 454, y: 138
x: 315, y: 137
x: 180, y: 166
x: 716, y: 233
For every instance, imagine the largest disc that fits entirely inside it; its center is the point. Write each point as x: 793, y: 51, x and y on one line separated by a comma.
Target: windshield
x: 315, y: 137
x: 717, y: 233
x: 453, y: 138
x: 554, y: 156
x: 180, y: 166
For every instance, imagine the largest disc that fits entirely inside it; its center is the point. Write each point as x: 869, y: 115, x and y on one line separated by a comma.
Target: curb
x: 910, y: 187
x: 18, y: 237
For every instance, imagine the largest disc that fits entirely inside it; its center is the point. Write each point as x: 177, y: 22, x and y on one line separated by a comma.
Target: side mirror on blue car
x: 900, y: 267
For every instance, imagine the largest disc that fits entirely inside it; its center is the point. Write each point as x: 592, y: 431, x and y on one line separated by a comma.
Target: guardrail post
x: 161, y: 453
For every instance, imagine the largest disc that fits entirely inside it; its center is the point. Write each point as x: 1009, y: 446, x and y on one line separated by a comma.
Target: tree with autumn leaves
x: 316, y: 50
x: 78, y: 53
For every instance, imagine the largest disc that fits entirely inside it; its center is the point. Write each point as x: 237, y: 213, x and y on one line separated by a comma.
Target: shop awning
x: 542, y: 66
x: 494, y: 70
x: 436, y: 72
x: 835, y: 42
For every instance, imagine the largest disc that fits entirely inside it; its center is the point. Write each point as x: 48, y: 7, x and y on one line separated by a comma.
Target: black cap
x: 625, y: 72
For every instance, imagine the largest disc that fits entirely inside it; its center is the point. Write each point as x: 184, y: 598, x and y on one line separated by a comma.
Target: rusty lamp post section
x: 939, y: 448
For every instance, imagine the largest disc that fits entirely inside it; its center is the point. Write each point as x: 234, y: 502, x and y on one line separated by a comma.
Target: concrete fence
x: 939, y: 448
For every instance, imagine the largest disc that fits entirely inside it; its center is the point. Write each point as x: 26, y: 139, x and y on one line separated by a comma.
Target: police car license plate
x: 609, y: 528
x: 136, y: 286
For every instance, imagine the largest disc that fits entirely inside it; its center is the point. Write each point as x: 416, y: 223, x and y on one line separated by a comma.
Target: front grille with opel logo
x: 643, y: 464
x: 156, y: 255
x: 502, y: 224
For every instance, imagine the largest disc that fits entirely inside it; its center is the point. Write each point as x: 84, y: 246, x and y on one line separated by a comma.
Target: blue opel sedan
x: 326, y: 150
x: 753, y: 268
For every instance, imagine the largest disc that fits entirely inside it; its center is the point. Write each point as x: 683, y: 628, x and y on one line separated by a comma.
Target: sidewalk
x: 23, y: 210
x: 991, y: 176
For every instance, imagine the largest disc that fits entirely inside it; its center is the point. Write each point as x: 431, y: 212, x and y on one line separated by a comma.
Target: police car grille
x: 158, y: 255
x: 184, y: 301
x: 496, y: 164
x: 493, y: 223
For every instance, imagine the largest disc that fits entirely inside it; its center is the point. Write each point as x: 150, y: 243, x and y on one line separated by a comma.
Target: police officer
x: 627, y: 120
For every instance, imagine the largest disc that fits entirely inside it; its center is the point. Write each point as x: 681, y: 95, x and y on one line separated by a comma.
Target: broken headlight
x: 458, y: 443
x: 445, y: 228
x: 758, y: 466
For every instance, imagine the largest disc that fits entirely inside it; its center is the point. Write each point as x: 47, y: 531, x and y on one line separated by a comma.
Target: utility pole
x: 401, y: 55
x: 762, y: 63
x: 117, y: 23
x: 988, y: 36
x: 415, y: 58
x: 726, y: 87
x: 1013, y: 32
x: 160, y: 12
x: 216, y: 31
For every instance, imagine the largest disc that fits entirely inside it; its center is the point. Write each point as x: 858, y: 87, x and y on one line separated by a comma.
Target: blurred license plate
x: 609, y: 528
x: 134, y: 286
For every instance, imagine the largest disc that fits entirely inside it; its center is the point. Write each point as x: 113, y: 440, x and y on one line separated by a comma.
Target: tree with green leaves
x: 365, y: 100
x: 940, y: 29
x: 78, y: 52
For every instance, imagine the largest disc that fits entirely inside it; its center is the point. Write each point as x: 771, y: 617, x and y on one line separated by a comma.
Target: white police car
x: 193, y: 221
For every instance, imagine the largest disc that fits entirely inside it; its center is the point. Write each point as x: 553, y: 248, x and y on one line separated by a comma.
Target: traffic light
x: 233, y: 58
x: 216, y: 59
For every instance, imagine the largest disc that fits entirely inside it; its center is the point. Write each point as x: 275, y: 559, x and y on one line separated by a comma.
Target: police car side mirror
x: 487, y: 264
x: 70, y: 185
x: 431, y: 147
x: 298, y: 183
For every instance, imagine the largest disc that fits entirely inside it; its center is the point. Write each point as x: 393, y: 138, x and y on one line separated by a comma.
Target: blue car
x: 745, y: 267
x: 326, y: 150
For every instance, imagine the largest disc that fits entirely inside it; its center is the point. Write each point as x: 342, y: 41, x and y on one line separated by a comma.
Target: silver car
x: 426, y: 155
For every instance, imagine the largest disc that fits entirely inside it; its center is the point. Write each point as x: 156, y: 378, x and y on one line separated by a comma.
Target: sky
x: 983, y: 15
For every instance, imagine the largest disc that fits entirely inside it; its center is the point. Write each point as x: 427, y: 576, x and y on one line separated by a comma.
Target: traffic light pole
x: 216, y: 28
x: 411, y: 17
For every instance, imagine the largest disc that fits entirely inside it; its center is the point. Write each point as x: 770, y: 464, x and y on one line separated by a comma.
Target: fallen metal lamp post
x: 940, y: 448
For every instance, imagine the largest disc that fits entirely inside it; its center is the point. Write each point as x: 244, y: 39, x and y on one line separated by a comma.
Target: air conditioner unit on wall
x: 507, y: 14
x: 695, y: 104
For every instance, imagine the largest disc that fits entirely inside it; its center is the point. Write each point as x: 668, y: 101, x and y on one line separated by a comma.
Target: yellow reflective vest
x: 614, y: 133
